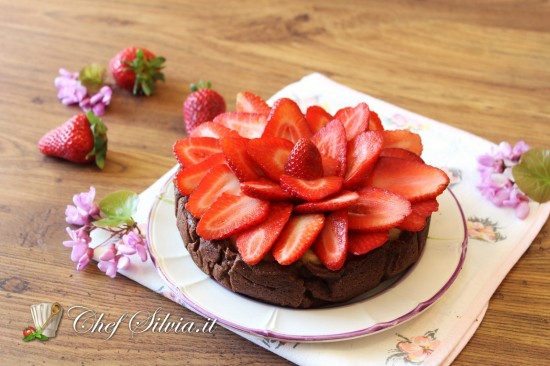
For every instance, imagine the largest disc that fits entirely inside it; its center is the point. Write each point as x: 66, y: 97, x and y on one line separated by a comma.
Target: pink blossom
x: 85, y: 259
x: 69, y: 89
x: 84, y: 210
x: 98, y: 101
x: 109, y: 253
x: 111, y: 266
x: 133, y: 243
x: 79, y: 243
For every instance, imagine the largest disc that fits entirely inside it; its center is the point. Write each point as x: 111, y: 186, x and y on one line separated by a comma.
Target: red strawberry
x: 375, y: 123
x: 193, y: 150
x: 297, y: 236
x: 404, y: 139
x: 234, y: 149
x: 218, y: 180
x: 332, y: 144
x: 397, y: 152
x: 377, y: 209
x: 317, y: 118
x: 81, y: 139
x: 249, y: 125
x: 188, y: 179
x: 412, y: 180
x: 304, y: 161
x: 362, y: 153
x: 331, y: 245
x: 420, y: 212
x: 287, y: 121
x: 311, y: 190
x: 202, y: 105
x: 212, y: 129
x: 355, y: 120
x: 230, y: 214
x: 254, y: 243
x: 363, y: 242
x: 265, y: 189
x: 272, y: 160
x: 137, y: 70
x: 251, y: 103
x: 343, y: 200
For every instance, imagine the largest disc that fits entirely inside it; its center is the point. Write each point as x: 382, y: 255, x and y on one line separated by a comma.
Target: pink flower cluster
x: 71, y: 91
x: 116, y: 255
x: 497, y: 183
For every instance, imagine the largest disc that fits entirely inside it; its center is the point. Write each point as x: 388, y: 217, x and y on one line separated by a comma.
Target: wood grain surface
x: 482, y: 66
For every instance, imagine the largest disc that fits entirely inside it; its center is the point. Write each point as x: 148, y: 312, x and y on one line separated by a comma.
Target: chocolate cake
x: 305, y: 283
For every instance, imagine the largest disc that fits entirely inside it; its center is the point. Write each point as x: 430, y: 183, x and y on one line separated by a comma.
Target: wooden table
x: 480, y: 66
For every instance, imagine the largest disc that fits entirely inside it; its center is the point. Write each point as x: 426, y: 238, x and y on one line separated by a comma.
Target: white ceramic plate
x: 390, y: 304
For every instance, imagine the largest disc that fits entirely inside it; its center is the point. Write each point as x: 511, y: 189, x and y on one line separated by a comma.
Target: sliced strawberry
x: 231, y: 214
x: 297, y: 236
x: 413, y: 222
x: 375, y: 123
x: 363, y: 242
x: 212, y: 129
x: 218, y: 180
x: 362, y: 153
x: 234, y: 149
x: 249, y: 125
x: 397, y: 152
x: 355, y: 119
x: 343, y: 200
x: 332, y: 144
x: 420, y: 212
x: 287, y: 121
x: 251, y: 103
x: 188, y: 179
x: 193, y: 150
x: 404, y: 139
x: 331, y: 245
x: 304, y: 161
x: 311, y: 190
x: 377, y: 209
x: 317, y: 118
x: 265, y: 189
x: 412, y: 180
x: 254, y: 243
x: 271, y: 154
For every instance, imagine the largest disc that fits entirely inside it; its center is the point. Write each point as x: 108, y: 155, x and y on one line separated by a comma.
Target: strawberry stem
x: 147, y: 73
x: 99, y: 130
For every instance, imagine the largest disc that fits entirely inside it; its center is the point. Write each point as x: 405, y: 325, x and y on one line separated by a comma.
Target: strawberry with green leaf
x: 81, y: 139
x: 137, y: 70
x: 202, y: 105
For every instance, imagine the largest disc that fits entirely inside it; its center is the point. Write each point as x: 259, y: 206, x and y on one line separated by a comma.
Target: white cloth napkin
x: 497, y: 239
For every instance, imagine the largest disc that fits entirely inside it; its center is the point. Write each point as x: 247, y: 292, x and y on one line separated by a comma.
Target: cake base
x: 305, y: 283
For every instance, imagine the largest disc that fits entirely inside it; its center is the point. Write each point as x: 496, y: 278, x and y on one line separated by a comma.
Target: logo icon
x: 46, y: 318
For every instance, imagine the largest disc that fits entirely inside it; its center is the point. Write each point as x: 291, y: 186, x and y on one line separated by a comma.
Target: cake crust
x: 305, y: 283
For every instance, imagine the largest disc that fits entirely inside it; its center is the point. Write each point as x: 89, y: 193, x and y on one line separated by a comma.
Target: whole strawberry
x: 137, y: 70
x: 81, y: 139
x: 202, y: 105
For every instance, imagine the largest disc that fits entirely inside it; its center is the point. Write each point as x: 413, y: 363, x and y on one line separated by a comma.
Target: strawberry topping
x: 344, y: 200
x: 317, y: 118
x: 251, y: 103
x: 220, y: 221
x: 331, y: 245
x: 286, y: 121
x: 249, y: 125
x: 331, y: 142
x: 188, y: 179
x: 304, y: 161
x: 363, y: 242
x: 297, y: 236
x: 234, y: 149
x: 254, y: 243
x: 218, y: 180
x: 193, y: 150
x: 272, y: 160
x: 212, y: 129
x: 362, y: 153
x: 404, y: 139
x: 397, y: 152
x: 265, y: 189
x: 377, y: 209
x: 355, y: 120
x: 311, y: 190
x: 412, y: 180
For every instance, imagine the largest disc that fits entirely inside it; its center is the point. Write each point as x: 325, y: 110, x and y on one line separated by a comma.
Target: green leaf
x: 42, y: 337
x: 532, y: 174
x: 30, y: 337
x: 118, y: 208
x: 38, y: 331
x: 91, y: 77
x: 99, y: 131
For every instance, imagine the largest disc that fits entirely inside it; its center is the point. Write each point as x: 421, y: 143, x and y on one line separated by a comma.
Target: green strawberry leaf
x: 38, y: 331
x: 99, y: 131
x: 91, y: 77
x: 42, y: 337
x: 532, y: 174
x: 118, y: 208
x: 30, y: 337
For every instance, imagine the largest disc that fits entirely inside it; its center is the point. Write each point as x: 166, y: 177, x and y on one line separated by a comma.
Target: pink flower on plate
x: 133, y: 243
x: 80, y: 243
x: 418, y: 349
x: 111, y: 266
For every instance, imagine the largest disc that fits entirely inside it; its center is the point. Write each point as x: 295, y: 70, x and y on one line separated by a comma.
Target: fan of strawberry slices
x: 277, y: 181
